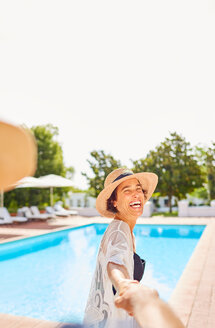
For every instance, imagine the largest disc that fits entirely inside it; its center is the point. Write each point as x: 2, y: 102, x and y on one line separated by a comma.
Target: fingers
x: 119, y: 302
x: 155, y: 293
x: 126, y: 284
x: 124, y: 303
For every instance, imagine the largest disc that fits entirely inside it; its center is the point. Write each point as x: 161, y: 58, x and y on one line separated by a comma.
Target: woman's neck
x: 130, y: 221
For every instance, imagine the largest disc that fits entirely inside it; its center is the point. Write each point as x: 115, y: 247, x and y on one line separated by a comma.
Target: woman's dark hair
x: 145, y: 192
x: 112, y: 198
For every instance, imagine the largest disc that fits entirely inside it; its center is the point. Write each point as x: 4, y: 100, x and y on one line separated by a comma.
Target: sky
x: 112, y: 75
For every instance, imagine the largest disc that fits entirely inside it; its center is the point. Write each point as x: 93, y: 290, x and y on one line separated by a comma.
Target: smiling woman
x: 118, y: 266
x: 129, y: 201
x: 126, y: 189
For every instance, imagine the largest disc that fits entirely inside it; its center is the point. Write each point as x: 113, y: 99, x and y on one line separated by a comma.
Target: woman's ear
x: 114, y: 203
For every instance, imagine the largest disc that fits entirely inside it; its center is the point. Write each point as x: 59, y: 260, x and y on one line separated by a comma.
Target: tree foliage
x: 206, y: 156
x: 175, y: 164
x: 201, y: 193
x: 50, y: 154
x: 210, y: 169
x: 101, y: 165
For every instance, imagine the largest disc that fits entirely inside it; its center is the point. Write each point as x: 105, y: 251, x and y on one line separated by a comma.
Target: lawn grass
x: 165, y: 214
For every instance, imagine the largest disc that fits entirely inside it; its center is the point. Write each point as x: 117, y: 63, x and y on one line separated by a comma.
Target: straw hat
x: 17, y: 154
x: 147, y: 180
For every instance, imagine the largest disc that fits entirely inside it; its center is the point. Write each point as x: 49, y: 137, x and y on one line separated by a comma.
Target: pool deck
x: 194, y: 296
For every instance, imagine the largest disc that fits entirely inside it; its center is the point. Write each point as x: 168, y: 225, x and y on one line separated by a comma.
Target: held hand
x: 125, y: 283
x: 133, y: 294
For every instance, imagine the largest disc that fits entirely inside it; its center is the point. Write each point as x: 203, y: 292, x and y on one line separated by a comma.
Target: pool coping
x: 193, y: 299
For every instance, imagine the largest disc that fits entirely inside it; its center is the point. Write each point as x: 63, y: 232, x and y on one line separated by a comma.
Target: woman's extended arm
x: 119, y: 277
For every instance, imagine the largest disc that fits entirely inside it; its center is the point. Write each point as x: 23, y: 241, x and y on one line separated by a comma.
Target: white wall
x: 87, y: 211
x: 80, y: 200
x: 148, y: 209
x: 184, y: 210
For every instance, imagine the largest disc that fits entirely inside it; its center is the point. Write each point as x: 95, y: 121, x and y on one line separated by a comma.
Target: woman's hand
x: 119, y: 277
x: 125, y: 285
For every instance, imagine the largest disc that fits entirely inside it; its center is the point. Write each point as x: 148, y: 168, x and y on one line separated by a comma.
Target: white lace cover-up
x: 117, y: 247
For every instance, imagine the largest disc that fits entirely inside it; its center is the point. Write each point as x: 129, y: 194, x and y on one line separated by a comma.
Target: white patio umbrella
x: 55, y: 181
x: 29, y: 182
x: 47, y: 181
x: 26, y: 182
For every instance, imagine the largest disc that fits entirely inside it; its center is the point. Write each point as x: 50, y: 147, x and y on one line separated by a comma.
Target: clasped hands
x: 132, y: 294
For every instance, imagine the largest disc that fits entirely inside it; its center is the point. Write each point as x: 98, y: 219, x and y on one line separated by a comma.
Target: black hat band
x: 123, y: 175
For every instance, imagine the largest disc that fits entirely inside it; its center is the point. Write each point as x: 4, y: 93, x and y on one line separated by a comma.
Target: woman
x: 118, y: 266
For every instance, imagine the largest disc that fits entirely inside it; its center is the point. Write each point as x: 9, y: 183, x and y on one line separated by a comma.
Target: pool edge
x: 193, y: 298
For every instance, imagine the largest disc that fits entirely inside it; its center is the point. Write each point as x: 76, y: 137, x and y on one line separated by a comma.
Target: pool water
x: 48, y: 277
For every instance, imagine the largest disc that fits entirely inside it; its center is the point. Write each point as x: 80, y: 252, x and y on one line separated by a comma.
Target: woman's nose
x: 135, y: 193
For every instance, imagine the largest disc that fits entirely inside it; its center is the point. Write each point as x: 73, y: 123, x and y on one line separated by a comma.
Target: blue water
x: 49, y: 276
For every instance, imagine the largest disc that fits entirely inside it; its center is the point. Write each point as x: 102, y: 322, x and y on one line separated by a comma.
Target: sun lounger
x: 58, y: 207
x: 26, y: 212
x: 35, y: 211
x: 50, y: 210
x: 6, y: 218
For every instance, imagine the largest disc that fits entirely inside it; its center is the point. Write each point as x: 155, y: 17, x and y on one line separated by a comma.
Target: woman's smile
x: 136, y: 204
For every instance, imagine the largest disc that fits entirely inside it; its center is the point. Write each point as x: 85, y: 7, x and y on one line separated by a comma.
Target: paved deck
x: 194, y: 296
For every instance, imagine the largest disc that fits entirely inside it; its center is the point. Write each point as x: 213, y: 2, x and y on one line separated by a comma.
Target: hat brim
x: 18, y: 154
x: 147, y: 180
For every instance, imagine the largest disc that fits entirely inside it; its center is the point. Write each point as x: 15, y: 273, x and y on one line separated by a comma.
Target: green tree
x: 210, y: 169
x: 201, y: 193
x: 70, y: 172
x: 50, y: 161
x: 176, y: 165
x: 207, y: 157
x: 201, y: 155
x: 101, y: 165
x: 50, y: 153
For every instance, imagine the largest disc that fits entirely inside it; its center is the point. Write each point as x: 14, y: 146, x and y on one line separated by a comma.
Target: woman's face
x: 129, y: 198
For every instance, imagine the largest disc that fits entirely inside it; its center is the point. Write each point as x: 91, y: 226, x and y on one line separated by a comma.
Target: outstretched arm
x: 119, y: 277
x: 146, y: 306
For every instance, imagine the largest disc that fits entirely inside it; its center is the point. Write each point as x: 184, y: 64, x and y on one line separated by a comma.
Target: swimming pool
x: 48, y: 276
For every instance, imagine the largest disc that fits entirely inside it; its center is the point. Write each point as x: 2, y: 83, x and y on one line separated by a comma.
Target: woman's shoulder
x: 117, y: 227
x: 116, y: 234
x: 121, y: 225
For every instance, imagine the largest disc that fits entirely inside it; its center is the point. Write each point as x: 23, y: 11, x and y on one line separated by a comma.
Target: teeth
x: 134, y: 203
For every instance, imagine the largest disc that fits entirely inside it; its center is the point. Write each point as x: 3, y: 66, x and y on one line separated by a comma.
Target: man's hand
x: 133, y: 293
x: 126, y: 288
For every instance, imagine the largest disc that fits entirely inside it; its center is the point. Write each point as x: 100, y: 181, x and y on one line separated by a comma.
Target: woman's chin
x: 137, y: 211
